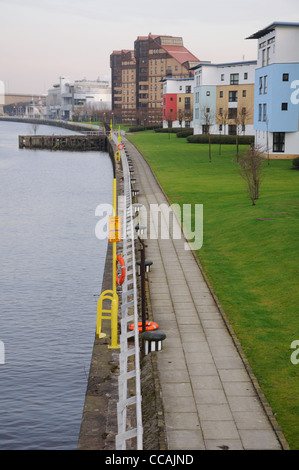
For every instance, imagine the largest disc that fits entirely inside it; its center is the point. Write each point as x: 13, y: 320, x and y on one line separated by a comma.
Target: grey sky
x: 44, y: 39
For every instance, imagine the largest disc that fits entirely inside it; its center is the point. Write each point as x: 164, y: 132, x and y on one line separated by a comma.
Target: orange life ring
x: 149, y: 326
x: 120, y: 280
x: 120, y: 146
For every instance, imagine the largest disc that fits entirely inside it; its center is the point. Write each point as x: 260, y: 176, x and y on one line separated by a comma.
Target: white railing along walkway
x: 129, y: 350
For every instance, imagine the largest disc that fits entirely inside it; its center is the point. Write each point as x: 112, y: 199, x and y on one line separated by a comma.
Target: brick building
x: 154, y: 58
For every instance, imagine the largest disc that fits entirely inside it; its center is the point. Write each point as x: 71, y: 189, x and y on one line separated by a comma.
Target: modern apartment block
x: 67, y: 98
x: 276, y: 103
x: 178, y: 102
x: 123, y: 83
x: 224, y: 98
x: 156, y: 58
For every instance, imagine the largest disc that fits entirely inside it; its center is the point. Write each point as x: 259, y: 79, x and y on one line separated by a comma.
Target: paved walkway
x: 208, y: 397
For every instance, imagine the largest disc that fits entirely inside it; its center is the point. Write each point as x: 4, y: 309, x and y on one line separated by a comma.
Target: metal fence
x: 129, y: 409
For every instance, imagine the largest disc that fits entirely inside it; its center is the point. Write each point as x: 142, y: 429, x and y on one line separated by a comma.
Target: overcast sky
x: 42, y: 40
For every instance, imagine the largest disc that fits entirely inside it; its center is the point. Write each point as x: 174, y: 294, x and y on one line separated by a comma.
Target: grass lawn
x: 123, y: 127
x: 252, y: 264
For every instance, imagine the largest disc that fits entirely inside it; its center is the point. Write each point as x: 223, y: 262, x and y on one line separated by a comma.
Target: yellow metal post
x: 114, y: 243
x: 110, y: 295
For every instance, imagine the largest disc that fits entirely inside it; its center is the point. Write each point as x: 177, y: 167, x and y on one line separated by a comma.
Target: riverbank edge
x: 72, y: 126
x: 99, y: 416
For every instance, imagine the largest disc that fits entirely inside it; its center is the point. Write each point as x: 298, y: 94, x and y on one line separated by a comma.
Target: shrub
x: 185, y: 132
x: 224, y: 139
x: 171, y: 130
x: 144, y: 128
x: 296, y: 163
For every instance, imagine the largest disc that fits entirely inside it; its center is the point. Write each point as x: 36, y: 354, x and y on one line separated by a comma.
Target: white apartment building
x: 276, y: 110
x: 224, y: 98
x: 67, y: 97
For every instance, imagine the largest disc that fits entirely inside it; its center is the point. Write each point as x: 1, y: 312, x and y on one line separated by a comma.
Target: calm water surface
x: 50, y: 279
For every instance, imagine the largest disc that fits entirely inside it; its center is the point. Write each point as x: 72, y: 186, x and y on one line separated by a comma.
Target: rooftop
x: 225, y: 64
x: 271, y: 27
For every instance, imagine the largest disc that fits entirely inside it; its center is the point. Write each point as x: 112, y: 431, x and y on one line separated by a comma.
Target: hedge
x: 144, y: 128
x: 185, y: 132
x: 171, y: 130
x: 223, y: 139
x: 296, y: 163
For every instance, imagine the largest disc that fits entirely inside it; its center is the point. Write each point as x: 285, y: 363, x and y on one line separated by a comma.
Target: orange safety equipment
x: 149, y: 326
x: 120, y: 280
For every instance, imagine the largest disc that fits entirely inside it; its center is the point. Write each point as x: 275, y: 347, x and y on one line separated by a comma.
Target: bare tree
x: 240, y: 120
x: 251, y: 170
x: 222, y: 121
x: 208, y: 120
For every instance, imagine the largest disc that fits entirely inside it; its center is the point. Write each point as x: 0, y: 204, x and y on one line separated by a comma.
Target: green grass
x: 123, y: 127
x: 252, y: 264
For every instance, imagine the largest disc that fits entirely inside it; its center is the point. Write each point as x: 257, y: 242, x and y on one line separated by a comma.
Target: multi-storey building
x: 123, y: 83
x: 67, y: 97
x: 224, y: 98
x: 156, y: 57
x: 276, y: 103
x: 178, y: 102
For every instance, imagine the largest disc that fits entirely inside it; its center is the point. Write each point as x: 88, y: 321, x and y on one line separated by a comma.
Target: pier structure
x: 84, y: 142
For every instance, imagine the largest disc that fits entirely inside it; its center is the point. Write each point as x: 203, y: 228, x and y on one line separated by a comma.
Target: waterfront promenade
x: 210, y: 397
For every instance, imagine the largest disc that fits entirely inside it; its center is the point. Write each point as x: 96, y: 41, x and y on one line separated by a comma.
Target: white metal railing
x: 129, y: 357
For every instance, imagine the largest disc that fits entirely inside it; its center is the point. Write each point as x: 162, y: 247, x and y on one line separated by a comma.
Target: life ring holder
x: 120, y: 146
x: 149, y: 326
x: 120, y: 280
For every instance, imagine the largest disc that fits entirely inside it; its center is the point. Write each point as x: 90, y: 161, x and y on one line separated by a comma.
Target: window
x: 171, y: 99
x: 260, y: 85
x: 197, y: 97
x: 207, y: 110
x: 220, y: 127
x: 285, y: 77
x: 233, y: 96
x: 222, y: 77
x: 268, y: 55
x: 188, y: 89
x: 244, y: 93
x: 187, y: 123
x: 208, y: 93
x: 220, y: 111
x: 284, y: 106
x: 264, y: 112
x: 232, y: 129
x: 234, y: 79
x: 260, y: 111
x: 278, y: 141
x: 265, y: 84
x: 196, y: 113
x: 244, y: 111
x: 245, y: 76
x: 263, y: 57
x: 232, y: 113
x: 221, y: 94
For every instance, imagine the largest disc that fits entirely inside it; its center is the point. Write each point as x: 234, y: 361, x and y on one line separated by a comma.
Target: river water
x: 50, y: 279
